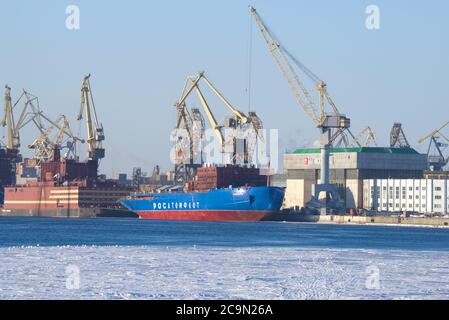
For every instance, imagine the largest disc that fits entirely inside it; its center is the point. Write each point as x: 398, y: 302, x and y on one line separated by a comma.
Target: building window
x: 437, y: 197
x: 410, y: 189
x: 437, y: 188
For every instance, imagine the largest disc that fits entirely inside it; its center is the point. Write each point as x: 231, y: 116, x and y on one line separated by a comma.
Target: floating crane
x: 435, y: 158
x: 331, y: 125
x: 95, y: 132
x: 228, y: 145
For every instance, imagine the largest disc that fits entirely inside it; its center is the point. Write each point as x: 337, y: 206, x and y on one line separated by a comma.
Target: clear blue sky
x: 139, y: 53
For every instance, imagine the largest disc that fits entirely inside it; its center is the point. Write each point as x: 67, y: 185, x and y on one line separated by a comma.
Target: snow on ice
x: 221, y: 273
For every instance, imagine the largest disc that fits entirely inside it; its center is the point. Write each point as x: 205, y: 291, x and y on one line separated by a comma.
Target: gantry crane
x: 435, y: 157
x: 239, y: 121
x: 95, y: 132
x: 331, y: 125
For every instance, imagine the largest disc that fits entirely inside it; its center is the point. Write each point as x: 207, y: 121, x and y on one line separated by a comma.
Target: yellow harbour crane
x: 30, y: 113
x: 435, y: 157
x: 95, y: 132
x: 188, y: 154
x: 8, y: 119
x: 331, y: 125
x: 63, y: 138
x: 239, y: 121
x: 364, y: 138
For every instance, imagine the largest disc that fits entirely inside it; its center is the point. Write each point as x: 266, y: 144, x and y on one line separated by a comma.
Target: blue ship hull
x: 236, y: 204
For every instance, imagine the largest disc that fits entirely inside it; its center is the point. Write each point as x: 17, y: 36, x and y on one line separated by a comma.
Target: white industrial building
x: 349, y: 167
x: 412, y: 195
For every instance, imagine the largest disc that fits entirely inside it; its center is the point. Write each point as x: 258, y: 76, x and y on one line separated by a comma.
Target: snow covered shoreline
x: 149, y: 272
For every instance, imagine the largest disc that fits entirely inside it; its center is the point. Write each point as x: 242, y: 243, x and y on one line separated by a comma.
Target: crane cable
x: 284, y: 49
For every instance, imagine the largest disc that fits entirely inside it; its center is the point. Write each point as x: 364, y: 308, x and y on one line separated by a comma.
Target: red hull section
x: 205, y: 215
x: 44, y: 197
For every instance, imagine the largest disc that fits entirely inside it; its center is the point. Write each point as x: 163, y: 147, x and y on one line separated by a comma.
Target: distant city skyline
x: 139, y: 56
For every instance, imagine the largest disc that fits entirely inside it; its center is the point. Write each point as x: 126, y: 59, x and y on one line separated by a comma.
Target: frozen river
x: 134, y: 259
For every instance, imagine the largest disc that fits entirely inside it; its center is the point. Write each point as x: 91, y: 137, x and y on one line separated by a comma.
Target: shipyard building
x: 349, y: 169
x: 427, y: 195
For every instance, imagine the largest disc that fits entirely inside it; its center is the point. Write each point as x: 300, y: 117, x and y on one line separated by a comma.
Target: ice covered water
x: 132, y: 259
x: 121, y: 272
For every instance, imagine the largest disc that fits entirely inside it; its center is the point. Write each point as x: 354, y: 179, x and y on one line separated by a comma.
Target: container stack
x: 223, y: 177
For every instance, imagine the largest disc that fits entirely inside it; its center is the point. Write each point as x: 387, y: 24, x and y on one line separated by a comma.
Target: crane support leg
x: 325, y: 164
x: 331, y: 196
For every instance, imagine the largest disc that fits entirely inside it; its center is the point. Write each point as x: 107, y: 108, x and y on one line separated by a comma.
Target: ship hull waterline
x: 70, y: 213
x: 206, y: 215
